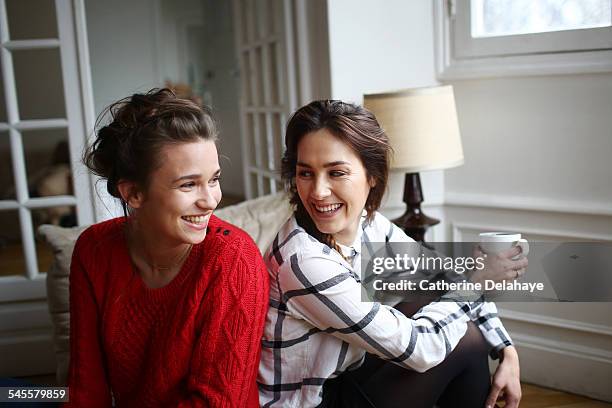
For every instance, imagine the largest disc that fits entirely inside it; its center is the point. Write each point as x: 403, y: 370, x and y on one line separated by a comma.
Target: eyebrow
x: 330, y: 164
x: 194, y: 176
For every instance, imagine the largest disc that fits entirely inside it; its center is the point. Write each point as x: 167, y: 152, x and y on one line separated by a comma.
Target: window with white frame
x: 483, y: 38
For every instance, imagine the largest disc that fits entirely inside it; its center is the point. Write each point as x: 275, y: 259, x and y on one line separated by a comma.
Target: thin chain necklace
x: 151, y: 265
x: 163, y: 268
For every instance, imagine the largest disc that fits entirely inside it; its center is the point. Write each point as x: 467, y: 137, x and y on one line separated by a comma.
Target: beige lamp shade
x: 422, y: 127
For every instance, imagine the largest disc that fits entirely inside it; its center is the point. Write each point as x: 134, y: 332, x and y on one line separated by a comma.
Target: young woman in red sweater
x: 167, y: 303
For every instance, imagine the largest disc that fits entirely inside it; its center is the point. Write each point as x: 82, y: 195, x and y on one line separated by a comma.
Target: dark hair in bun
x: 128, y: 147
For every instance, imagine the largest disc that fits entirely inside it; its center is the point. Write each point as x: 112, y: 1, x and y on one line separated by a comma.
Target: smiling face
x: 182, y: 193
x: 332, y: 183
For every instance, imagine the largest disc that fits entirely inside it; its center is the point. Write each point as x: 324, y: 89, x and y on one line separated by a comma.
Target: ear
x: 372, y: 182
x: 130, y: 193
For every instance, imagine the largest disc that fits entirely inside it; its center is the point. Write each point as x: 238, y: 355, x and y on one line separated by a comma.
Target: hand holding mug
x: 505, y: 256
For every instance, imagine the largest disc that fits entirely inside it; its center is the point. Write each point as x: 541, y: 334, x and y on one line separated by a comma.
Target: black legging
x: 461, y: 380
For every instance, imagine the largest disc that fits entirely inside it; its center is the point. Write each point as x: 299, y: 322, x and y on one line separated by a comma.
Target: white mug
x: 494, y: 242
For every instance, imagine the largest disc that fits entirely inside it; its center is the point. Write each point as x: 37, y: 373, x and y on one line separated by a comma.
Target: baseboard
x: 555, y: 322
x: 568, y: 355
x: 27, y: 353
x: 557, y: 366
x: 538, y: 204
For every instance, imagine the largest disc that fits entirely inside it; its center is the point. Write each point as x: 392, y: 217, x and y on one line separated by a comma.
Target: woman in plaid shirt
x: 323, y: 345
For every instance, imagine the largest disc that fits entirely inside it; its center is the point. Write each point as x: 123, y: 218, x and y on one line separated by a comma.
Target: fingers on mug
x: 524, y: 245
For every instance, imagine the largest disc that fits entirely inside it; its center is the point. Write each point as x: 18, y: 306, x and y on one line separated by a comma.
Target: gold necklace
x: 162, y: 268
x: 152, y: 267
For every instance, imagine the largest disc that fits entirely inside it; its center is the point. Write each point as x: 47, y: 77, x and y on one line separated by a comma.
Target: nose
x: 206, y: 201
x: 320, y: 189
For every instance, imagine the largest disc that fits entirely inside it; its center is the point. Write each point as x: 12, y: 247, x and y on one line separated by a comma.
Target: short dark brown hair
x: 352, y: 124
x: 141, y: 125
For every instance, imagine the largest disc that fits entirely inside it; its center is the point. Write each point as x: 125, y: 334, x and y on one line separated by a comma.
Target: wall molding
x: 564, y: 348
x: 20, y: 288
x: 556, y: 322
x: 559, y: 364
x: 456, y: 234
x: 26, y: 339
x: 573, y: 355
x: 515, y: 203
x: 24, y: 316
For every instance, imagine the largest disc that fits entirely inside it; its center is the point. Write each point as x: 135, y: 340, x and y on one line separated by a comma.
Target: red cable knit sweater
x: 194, y: 342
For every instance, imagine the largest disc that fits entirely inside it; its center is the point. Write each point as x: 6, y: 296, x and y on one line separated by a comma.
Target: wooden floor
x: 538, y: 397
x: 533, y: 396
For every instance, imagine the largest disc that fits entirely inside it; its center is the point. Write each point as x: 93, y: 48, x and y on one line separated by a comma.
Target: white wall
x: 544, y: 138
x: 172, y: 17
x: 122, y: 49
x: 222, y: 83
x: 375, y: 48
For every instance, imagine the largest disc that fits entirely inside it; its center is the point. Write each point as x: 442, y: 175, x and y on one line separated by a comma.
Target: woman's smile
x: 327, y: 210
x: 198, y: 222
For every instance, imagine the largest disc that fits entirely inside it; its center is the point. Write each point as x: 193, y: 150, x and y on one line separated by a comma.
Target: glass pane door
x: 41, y: 133
x: 268, y: 88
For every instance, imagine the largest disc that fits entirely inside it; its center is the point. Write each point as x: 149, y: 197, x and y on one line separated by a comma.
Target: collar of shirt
x: 351, y: 251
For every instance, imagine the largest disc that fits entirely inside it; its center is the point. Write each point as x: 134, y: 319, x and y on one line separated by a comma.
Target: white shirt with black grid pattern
x: 317, y: 325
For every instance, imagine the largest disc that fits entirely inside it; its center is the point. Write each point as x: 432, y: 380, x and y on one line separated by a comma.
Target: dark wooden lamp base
x: 414, y: 222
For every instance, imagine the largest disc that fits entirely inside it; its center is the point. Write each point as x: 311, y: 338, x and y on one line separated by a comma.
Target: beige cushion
x: 261, y: 218
x: 61, y: 240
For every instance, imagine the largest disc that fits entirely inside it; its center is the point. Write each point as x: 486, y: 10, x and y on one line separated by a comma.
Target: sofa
x: 261, y: 218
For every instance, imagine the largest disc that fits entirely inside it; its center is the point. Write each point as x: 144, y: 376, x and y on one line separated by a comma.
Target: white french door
x: 42, y: 133
x: 265, y: 49
x: 45, y: 116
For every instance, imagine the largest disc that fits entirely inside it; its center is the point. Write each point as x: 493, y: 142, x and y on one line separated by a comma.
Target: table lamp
x: 424, y: 132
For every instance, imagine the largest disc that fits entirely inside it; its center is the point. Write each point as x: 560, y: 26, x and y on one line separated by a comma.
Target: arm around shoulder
x: 326, y: 295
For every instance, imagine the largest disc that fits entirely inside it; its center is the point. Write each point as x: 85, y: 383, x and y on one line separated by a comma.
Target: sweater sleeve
x: 226, y: 358
x: 87, y: 377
